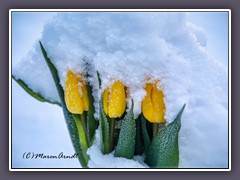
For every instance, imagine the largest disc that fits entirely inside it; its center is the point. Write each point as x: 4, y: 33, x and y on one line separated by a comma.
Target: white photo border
x: 119, y: 10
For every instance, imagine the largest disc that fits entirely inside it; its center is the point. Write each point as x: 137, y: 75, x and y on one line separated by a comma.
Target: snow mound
x: 98, y: 160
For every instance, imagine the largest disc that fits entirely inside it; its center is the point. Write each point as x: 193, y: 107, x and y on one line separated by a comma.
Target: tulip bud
x: 114, y: 100
x: 76, y: 96
x: 153, y: 106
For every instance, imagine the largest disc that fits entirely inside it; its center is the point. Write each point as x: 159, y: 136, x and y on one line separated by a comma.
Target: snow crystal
x: 135, y: 48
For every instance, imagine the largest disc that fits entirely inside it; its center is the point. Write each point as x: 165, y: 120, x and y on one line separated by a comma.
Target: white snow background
x: 186, y: 51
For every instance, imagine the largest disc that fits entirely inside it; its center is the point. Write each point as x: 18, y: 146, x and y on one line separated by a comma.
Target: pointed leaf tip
x: 164, y: 149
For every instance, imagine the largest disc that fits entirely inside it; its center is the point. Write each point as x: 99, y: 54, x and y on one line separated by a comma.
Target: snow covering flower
x: 153, y: 106
x: 76, y: 96
x: 114, y: 100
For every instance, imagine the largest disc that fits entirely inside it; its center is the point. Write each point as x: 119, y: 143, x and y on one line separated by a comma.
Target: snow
x: 136, y: 48
x: 98, y: 160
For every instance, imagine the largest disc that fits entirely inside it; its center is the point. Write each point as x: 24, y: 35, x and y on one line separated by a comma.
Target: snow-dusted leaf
x: 71, y: 125
x: 164, y: 151
x: 104, y: 130
x: 91, y: 121
x: 36, y: 95
x: 126, y: 142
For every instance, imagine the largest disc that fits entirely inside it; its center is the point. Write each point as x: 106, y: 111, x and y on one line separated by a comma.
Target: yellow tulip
x: 76, y: 96
x: 114, y: 100
x: 153, y: 106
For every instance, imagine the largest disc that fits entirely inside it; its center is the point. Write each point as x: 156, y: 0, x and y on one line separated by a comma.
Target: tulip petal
x: 84, y: 95
x: 106, y: 101
x: 147, y: 106
x: 117, y: 100
x: 158, y: 105
x: 72, y: 96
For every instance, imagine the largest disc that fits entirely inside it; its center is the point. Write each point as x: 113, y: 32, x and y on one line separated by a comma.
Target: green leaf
x: 105, y: 136
x: 164, y: 151
x: 139, y: 147
x: 91, y: 121
x: 36, y: 95
x: 82, y: 135
x: 126, y: 142
x: 71, y: 125
x: 146, y: 139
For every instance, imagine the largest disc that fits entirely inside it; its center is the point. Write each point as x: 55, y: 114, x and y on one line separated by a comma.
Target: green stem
x: 155, y: 128
x: 82, y: 136
x: 111, y: 138
x: 84, y: 124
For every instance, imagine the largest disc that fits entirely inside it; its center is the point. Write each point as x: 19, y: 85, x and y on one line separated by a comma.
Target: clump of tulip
x: 120, y: 131
x: 135, y: 136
